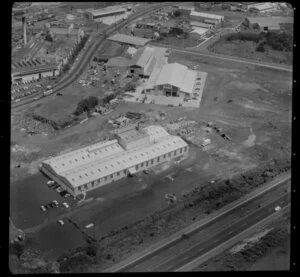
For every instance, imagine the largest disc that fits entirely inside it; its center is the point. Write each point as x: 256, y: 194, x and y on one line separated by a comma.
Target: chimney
x: 24, y: 30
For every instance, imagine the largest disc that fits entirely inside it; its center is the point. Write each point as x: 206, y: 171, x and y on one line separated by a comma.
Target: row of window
x: 110, y: 177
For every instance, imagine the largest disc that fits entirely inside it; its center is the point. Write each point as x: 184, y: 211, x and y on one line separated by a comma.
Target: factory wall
x: 75, y: 191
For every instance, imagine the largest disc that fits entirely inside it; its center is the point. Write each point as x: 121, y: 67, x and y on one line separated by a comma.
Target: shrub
x: 260, y: 48
x: 91, y: 250
x: 130, y: 86
x: 177, y: 13
x: 86, y: 105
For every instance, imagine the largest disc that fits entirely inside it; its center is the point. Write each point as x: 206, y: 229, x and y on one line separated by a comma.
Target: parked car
x: 50, y: 182
x: 59, y: 189
x: 66, y: 205
x: 43, y: 208
x: 278, y: 208
x: 61, y: 222
x: 55, y: 203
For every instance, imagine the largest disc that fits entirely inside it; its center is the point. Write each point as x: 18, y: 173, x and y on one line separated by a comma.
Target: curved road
x: 93, y: 46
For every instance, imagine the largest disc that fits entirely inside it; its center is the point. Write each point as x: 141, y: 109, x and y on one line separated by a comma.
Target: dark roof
x: 32, y: 66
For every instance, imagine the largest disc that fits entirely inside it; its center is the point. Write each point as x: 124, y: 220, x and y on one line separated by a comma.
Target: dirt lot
x: 252, y: 106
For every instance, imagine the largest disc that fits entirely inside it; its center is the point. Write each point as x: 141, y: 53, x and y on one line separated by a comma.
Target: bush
x: 91, y: 250
x: 177, y: 13
x: 260, y: 48
x: 86, y: 105
x: 246, y: 37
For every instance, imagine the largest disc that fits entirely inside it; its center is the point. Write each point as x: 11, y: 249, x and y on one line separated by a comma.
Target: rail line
x: 94, y: 45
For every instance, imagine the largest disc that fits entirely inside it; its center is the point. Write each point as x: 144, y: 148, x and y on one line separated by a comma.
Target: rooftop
x: 32, y: 66
x: 207, y: 15
x: 271, y: 21
x: 106, y: 11
x: 129, y: 39
x: 64, y: 31
x: 88, y: 164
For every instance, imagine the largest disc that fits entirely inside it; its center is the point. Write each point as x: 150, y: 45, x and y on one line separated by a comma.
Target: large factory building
x: 131, y: 151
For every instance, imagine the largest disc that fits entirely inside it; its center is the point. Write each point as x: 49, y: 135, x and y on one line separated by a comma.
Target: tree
x: 177, y: 13
x: 256, y: 26
x: 246, y: 22
x: 91, y: 250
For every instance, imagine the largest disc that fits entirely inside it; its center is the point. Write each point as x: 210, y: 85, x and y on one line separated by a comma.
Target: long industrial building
x: 25, y: 71
x: 129, y: 152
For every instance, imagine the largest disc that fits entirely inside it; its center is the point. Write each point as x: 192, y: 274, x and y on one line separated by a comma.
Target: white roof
x: 104, y: 12
x: 207, y: 15
x: 262, y: 6
x: 177, y: 75
x: 109, y: 162
x: 129, y: 39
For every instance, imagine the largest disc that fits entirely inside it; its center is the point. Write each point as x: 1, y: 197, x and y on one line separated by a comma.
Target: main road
x: 174, y: 254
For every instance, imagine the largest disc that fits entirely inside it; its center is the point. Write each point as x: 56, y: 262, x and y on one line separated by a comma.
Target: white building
x: 146, y: 59
x: 100, y: 13
x: 206, y: 17
x: 104, y: 162
x: 173, y: 80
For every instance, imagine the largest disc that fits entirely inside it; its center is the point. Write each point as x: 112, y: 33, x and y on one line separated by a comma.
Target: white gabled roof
x: 208, y: 15
x: 103, y: 159
x: 177, y: 75
x: 172, y: 74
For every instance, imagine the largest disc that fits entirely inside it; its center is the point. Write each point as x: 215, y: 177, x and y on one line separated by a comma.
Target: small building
x: 25, y: 71
x: 261, y: 7
x: 206, y: 17
x: 100, y: 13
x: 130, y: 40
x: 118, y: 64
x: 102, y: 163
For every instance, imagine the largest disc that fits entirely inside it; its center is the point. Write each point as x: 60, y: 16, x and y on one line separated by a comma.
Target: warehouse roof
x: 32, y: 69
x: 208, y: 15
x: 129, y: 39
x: 200, y: 24
x: 125, y: 160
x: 261, y: 6
x: 107, y: 11
x: 142, y: 56
x: 64, y: 31
x: 118, y: 61
x: 108, y: 162
x: 131, y: 135
x: 174, y: 74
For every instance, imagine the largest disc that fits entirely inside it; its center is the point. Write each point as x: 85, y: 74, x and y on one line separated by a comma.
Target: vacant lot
x: 251, y: 104
x: 258, y: 50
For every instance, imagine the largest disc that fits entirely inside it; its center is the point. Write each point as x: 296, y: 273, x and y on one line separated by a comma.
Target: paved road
x: 168, y: 251
x: 204, y: 241
x: 227, y: 57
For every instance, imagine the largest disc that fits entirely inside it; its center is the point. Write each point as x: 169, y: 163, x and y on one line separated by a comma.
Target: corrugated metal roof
x: 207, y: 15
x: 114, y: 161
x: 129, y: 39
x: 172, y: 74
x: 104, y: 12
x: 176, y: 75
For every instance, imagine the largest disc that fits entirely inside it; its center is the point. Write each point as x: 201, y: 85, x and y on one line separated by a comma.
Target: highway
x: 179, y: 252
x: 90, y: 50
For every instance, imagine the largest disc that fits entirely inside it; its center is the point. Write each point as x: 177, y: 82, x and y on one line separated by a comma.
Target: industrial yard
x: 136, y: 95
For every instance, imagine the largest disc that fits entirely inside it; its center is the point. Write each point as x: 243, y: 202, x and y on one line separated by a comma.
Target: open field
x: 251, y: 104
x: 248, y: 49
